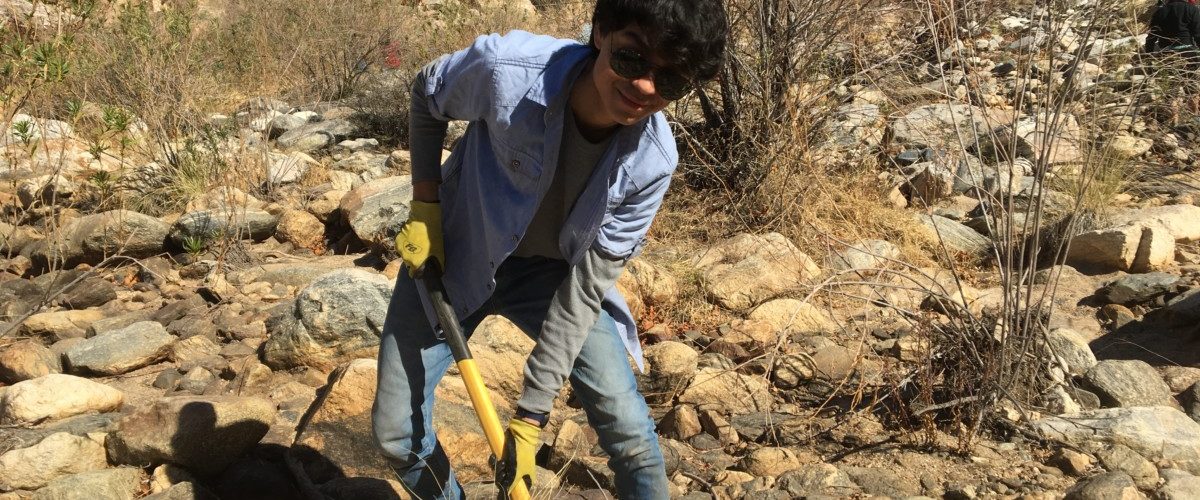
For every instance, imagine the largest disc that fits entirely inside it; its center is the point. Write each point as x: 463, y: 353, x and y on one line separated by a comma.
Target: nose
x: 644, y: 84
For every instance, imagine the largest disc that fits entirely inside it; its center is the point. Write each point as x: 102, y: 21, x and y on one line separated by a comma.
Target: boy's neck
x: 585, y: 104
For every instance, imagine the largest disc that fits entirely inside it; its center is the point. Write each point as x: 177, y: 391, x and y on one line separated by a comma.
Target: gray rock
x: 1125, y: 383
x: 376, y: 210
x: 1120, y: 458
x: 1179, y: 485
x: 940, y: 124
x: 287, y: 168
x: 17, y: 298
x: 317, y: 135
x: 931, y: 183
x: 91, y: 292
x: 1191, y: 401
x: 1155, y: 432
x: 284, y: 123
x: 1139, y: 288
x: 124, y: 483
x: 197, y: 380
x: 92, y: 238
x: 866, y: 254
x: 818, y: 479
x: 1106, y: 486
x: 340, y: 314
x: 201, y: 434
x: 120, y: 351
x: 58, y: 455
x: 45, y: 190
x: 206, y: 227
x: 956, y: 236
x: 834, y: 363
x: 855, y: 124
x: 1072, y: 349
x: 879, y: 481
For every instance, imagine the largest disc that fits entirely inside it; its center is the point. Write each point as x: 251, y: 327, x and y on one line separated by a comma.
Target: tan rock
x: 656, y: 285
x: 193, y: 348
x: 774, y: 461
x: 55, y: 396
x: 60, y: 325
x: 57, y: 455
x: 735, y: 393
x: 752, y: 332
x: 794, y: 315
x: 747, y: 269
x: 26, y: 360
x: 1182, y: 221
x: 300, y: 228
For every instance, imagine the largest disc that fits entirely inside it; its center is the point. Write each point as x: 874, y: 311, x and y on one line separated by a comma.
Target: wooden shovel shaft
x: 481, y: 399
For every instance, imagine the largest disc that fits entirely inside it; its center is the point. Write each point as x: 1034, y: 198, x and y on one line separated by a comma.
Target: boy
x: 548, y: 194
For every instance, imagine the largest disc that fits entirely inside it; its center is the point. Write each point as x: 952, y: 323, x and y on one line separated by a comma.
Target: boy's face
x: 626, y: 100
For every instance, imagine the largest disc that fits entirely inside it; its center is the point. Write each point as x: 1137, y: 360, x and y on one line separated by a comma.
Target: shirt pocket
x: 519, y: 166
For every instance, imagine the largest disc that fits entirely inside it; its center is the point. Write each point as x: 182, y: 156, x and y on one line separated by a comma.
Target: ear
x: 596, y: 36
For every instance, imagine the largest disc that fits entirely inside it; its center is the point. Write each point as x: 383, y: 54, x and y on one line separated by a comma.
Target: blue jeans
x: 412, y: 361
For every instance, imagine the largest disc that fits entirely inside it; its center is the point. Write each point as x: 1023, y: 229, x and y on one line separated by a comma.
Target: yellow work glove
x: 520, y: 447
x: 421, y: 236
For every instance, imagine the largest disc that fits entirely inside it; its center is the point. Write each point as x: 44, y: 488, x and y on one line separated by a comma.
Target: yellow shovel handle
x: 481, y: 399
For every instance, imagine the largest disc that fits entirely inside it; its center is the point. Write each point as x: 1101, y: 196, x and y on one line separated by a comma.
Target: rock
x: 91, y: 292
x: 287, y: 168
x: 1106, y: 486
x: 669, y: 366
x: 657, y: 286
x: 939, y: 124
x: 1138, y: 288
x: 316, y: 135
x: 1127, y: 147
x: 1072, y: 348
x: 224, y: 198
x: 880, y: 481
x: 713, y: 388
x: 26, y: 360
x: 1155, y: 432
x: 13, y: 239
x: 866, y: 254
x: 1119, y: 458
x: 279, y: 124
x: 793, y: 315
x: 715, y: 425
x: 124, y: 483
x: 1125, y: 383
x: 202, y: 434
x: 58, y: 455
x: 193, y: 349
x: 1179, y: 485
x: 301, y: 229
x: 680, y: 423
x: 772, y: 461
x: 1130, y: 247
x: 55, y: 396
x: 120, y: 351
x: 254, y: 478
x: 1001, y: 146
x: 792, y: 369
x: 45, y: 190
x: 196, y: 380
x: 817, y: 479
x: 746, y: 269
x: 834, y: 363
x: 956, y: 236
x: 855, y: 124
x: 931, y: 183
x: 207, y: 227
x: 1182, y: 221
x: 1072, y: 462
x: 1062, y: 132
x: 183, y: 491
x: 339, y: 314
x: 1191, y: 401
x: 92, y: 238
x: 376, y: 210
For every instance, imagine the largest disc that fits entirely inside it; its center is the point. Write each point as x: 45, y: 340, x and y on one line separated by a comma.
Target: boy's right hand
x: 421, y: 236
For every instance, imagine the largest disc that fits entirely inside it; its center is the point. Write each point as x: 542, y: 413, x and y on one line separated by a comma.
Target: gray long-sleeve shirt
x: 575, y: 306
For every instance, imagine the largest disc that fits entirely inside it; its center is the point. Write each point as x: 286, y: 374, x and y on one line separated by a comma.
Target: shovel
x: 481, y: 400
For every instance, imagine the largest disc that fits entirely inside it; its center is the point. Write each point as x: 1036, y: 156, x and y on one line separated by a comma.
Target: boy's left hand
x: 520, y: 449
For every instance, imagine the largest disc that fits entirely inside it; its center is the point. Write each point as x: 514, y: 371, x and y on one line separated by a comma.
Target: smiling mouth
x: 630, y: 101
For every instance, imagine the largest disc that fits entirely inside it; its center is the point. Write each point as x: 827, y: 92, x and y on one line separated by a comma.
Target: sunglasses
x: 631, y: 65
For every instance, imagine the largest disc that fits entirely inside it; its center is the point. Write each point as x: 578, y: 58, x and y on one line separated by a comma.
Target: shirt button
x: 489, y: 287
x: 516, y: 163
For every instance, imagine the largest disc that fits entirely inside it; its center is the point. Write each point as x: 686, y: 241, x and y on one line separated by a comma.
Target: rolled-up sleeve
x: 624, y: 233
x: 460, y: 86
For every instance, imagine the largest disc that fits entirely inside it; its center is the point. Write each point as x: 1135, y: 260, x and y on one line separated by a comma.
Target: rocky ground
x: 225, y: 350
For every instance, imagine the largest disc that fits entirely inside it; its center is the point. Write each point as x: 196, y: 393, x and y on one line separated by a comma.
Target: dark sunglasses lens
x: 671, y: 86
x: 628, y: 64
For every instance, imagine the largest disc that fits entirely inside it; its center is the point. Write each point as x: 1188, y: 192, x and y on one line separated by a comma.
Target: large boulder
x: 1124, y: 383
x: 729, y: 391
x: 956, y: 237
x: 377, y: 209
x: 201, y: 434
x: 55, y: 396
x: 123, y: 483
x: 204, y: 227
x: 92, y: 238
x: 25, y: 360
x: 120, y: 351
x: 1182, y: 221
x: 940, y: 124
x: 340, y: 314
x: 748, y: 268
x: 1155, y: 432
x: 793, y: 315
x: 1128, y: 247
x: 59, y: 454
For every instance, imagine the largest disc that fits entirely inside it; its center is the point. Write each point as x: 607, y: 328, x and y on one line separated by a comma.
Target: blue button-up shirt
x: 513, y: 89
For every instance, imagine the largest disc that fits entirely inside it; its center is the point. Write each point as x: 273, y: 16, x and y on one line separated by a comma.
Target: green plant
x: 194, y: 245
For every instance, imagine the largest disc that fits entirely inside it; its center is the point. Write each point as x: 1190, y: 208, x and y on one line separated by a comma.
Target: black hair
x: 689, y: 34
